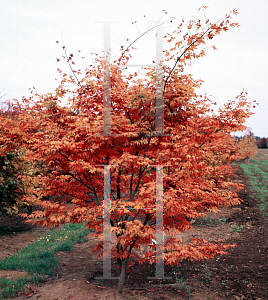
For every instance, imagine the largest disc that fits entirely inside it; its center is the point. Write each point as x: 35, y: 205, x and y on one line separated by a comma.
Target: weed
x: 221, y: 221
x: 188, y: 291
x: 181, y: 284
x: 236, y: 228
x: 179, y: 278
x: 208, y: 273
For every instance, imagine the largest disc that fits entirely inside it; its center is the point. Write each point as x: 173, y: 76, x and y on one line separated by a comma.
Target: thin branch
x: 68, y: 61
x: 96, y: 200
x: 137, y: 236
x: 179, y: 58
x: 139, y: 37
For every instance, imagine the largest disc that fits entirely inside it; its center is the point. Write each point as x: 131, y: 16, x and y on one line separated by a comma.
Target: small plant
x: 188, y: 291
x: 221, y: 221
x: 182, y: 284
x: 236, y: 228
x: 208, y: 273
x: 179, y: 278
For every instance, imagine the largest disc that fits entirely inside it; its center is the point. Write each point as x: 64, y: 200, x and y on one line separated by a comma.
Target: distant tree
x: 248, y: 147
x: 262, y: 143
x: 15, y: 170
x: 257, y: 138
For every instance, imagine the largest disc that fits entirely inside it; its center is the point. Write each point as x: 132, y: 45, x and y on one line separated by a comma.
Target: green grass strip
x: 257, y: 174
x: 264, y: 162
x: 38, y: 258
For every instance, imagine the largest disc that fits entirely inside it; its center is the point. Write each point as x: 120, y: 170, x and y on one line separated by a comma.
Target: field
x: 57, y: 264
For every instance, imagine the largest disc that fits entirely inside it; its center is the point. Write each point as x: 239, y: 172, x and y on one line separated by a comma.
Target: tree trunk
x: 122, y: 276
x: 29, y: 209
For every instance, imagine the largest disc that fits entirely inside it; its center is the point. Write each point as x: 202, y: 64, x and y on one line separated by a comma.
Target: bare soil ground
x: 241, y: 274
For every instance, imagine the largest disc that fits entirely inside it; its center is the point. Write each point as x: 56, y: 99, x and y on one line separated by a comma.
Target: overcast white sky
x: 29, y: 30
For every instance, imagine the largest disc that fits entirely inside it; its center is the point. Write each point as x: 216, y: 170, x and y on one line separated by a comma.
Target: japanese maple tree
x: 196, y: 150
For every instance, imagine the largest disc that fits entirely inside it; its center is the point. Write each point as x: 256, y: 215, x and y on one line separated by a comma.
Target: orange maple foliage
x: 196, y: 158
x: 16, y: 170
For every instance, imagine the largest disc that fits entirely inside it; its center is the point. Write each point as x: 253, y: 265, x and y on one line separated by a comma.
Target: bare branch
x: 179, y: 58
